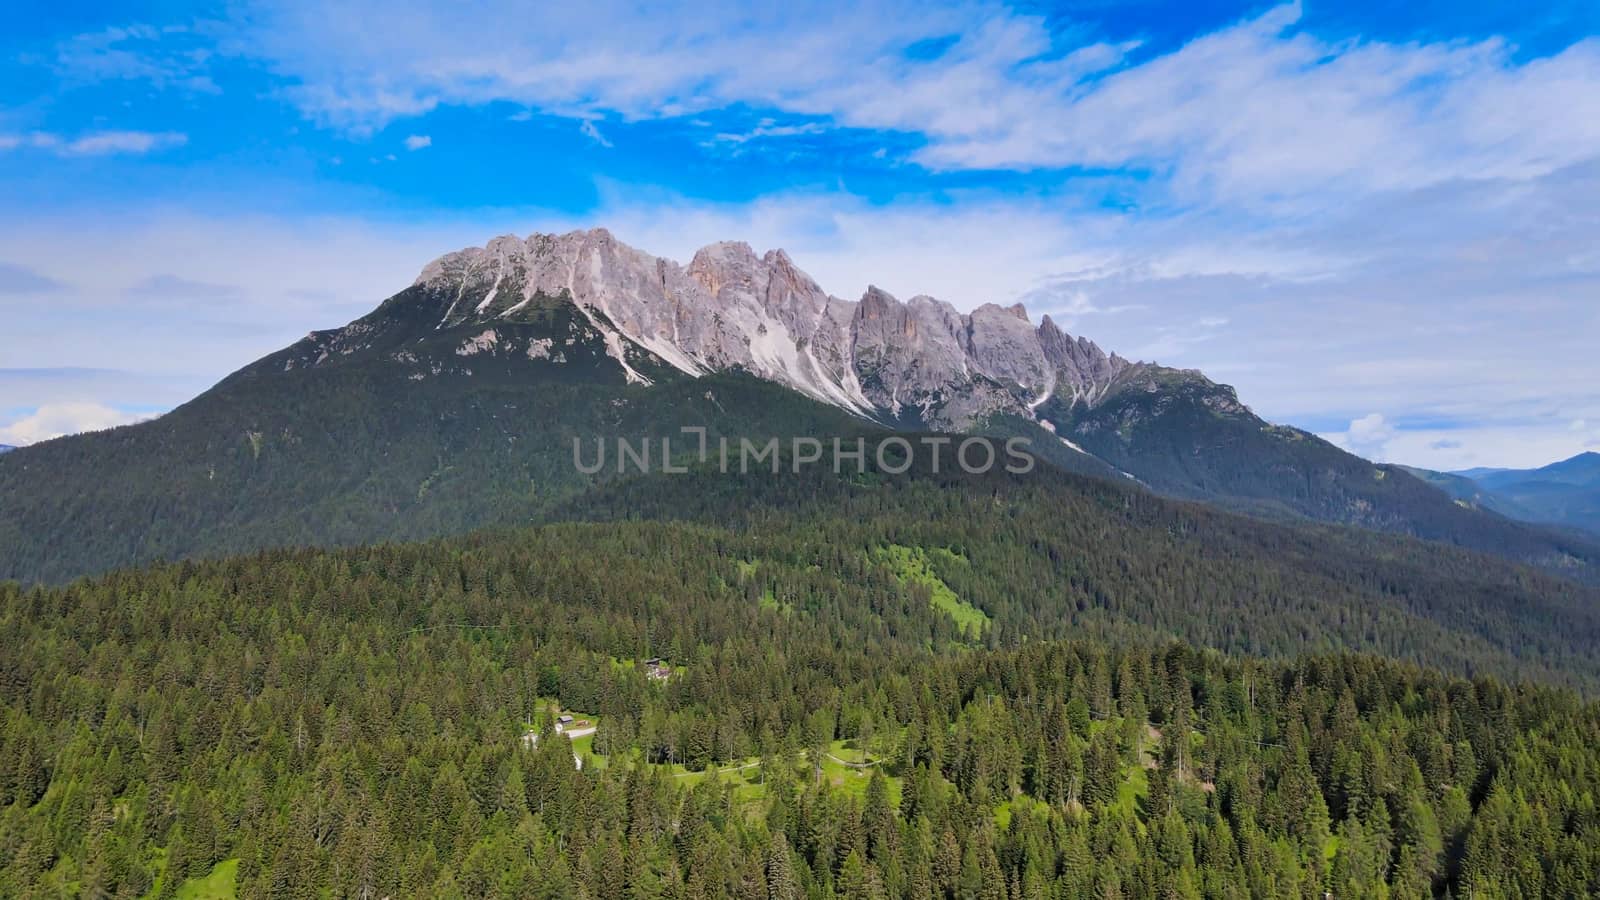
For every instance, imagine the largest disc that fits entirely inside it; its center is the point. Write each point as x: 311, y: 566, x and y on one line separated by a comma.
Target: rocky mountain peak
x: 731, y: 308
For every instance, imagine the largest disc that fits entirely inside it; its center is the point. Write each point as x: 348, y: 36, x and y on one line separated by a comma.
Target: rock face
x: 915, y: 362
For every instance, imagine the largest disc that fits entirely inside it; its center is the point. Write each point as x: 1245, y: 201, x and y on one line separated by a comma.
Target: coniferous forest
x: 768, y: 547
x: 844, y: 712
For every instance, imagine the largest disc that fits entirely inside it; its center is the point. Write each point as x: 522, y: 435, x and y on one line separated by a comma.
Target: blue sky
x: 1377, y: 224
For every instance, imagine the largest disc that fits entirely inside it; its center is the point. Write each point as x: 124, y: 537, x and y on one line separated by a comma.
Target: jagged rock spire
x: 730, y: 307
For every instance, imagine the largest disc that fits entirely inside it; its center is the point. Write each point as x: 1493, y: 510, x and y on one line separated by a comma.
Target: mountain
x: 921, y: 364
x: 1464, y: 490
x: 1582, y: 471
x: 1475, y: 473
x: 1563, y: 493
x: 6, y: 448
x: 918, y: 362
x: 1566, y: 493
x: 456, y: 402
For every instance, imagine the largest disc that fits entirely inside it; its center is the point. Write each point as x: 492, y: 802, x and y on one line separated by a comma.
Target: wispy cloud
x: 96, y: 143
x: 170, y: 56
x: 1256, y: 113
x: 174, y: 288
x: 592, y: 132
x: 18, y: 280
x: 769, y: 128
x: 418, y: 141
x: 1349, y: 225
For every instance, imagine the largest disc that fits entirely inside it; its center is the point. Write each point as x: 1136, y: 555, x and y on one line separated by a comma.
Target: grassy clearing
x: 769, y: 600
x: 912, y: 566
x: 583, y: 747
x: 849, y: 775
x: 841, y: 766
x: 1133, y: 791
x: 744, y: 777
x: 1020, y: 804
x: 217, y: 885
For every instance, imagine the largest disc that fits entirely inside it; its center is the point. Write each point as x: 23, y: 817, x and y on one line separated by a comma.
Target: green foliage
x: 1566, y: 493
x: 349, y: 723
x: 1054, y: 555
x: 396, y: 429
x: 216, y: 885
x: 911, y: 565
x: 367, y: 447
x: 1186, y: 436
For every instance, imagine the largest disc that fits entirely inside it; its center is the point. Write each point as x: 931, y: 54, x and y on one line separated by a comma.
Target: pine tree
x: 781, y: 883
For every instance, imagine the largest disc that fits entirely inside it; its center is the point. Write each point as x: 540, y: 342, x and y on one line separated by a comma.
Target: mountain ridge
x: 1564, y: 493
x: 453, y: 404
x: 916, y: 361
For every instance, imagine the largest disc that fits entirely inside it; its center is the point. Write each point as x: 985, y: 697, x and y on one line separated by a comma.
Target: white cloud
x: 97, y: 143
x: 418, y: 141
x: 57, y: 419
x: 1460, y: 311
x: 768, y: 128
x: 175, y: 56
x: 1256, y: 113
x: 169, y: 288
x: 169, y: 336
x: 1521, y: 446
x: 1342, y: 225
x: 592, y: 132
x: 18, y: 280
x: 104, y: 142
x: 1367, y: 436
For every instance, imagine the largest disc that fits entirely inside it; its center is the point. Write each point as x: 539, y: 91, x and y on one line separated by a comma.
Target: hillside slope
x: 1184, y: 435
x: 1563, y: 493
x: 394, y: 439
x: 1054, y: 554
x: 357, y: 723
x: 455, y: 403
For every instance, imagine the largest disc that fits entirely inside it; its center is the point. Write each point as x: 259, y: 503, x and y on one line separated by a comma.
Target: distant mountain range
x: 6, y: 448
x: 1563, y: 493
x: 454, y: 405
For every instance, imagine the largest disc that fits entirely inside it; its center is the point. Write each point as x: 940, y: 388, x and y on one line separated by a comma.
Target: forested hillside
x: 1186, y: 436
x: 350, y: 454
x: 1056, y: 555
x: 400, y: 426
x: 1566, y: 492
x: 352, y: 724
